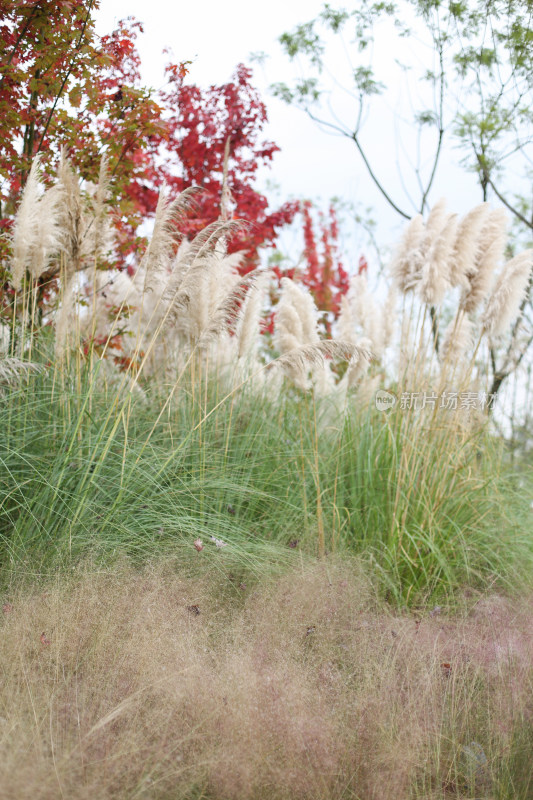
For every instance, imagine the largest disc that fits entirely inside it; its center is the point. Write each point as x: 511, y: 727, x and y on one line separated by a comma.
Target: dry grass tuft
x: 146, y: 684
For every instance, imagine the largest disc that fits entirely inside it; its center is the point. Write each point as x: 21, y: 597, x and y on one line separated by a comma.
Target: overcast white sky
x: 216, y: 36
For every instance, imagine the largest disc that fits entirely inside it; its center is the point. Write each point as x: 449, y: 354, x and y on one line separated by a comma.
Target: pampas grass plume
x: 101, y: 235
x: 491, y: 248
x: 456, y: 340
x: 296, y: 315
x: 295, y: 327
x: 48, y: 234
x: 158, y: 256
x: 406, y: 261
x: 202, y: 272
x: 248, y: 324
x: 467, y: 245
x: 71, y: 216
x: 434, y: 279
x: 25, y: 224
x: 388, y: 318
x: 509, y: 291
x: 359, y: 362
x: 63, y: 317
x: 156, y: 259
x: 13, y: 369
x: 364, y: 312
x: 305, y: 356
x: 437, y: 219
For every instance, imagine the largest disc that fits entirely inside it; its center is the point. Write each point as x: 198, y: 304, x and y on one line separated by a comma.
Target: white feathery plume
x: 314, y: 354
x: 248, y: 325
x: 206, y: 240
x: 288, y: 332
x: 407, y: 258
x: 437, y: 219
x: 364, y: 311
x: 434, y: 278
x: 74, y: 222
x: 225, y: 305
x: 435, y: 223
x: 100, y: 230
x: 224, y: 279
x: 388, y: 318
x: 508, y: 292
x: 64, y: 316
x: 407, y: 342
x: 24, y: 235
x: 198, y: 283
x: 48, y: 237
x: 359, y: 363
x: 456, y: 340
x: 366, y: 391
x: 492, y: 241
x: 295, y: 326
x: 288, y: 336
x: 307, y: 311
x: 299, y: 299
x: 12, y: 369
x: 197, y: 302
x: 346, y: 325
x: 114, y: 290
x: 156, y: 262
x: 467, y: 245
x: 323, y: 379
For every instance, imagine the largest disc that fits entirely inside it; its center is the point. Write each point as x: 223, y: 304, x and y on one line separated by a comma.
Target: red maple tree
x: 324, y: 274
x: 61, y: 85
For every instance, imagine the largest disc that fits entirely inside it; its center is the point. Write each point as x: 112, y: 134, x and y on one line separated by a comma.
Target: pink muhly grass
x: 164, y: 677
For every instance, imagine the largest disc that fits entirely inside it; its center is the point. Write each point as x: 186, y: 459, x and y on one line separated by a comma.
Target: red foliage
x: 49, y: 54
x: 199, y: 125
x: 324, y: 275
x: 62, y: 86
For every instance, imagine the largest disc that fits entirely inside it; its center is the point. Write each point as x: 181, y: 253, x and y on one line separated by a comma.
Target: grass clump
x: 199, y: 531
x: 148, y: 683
x: 90, y: 471
x: 155, y: 414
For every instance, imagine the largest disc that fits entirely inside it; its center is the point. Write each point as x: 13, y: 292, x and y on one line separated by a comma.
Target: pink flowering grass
x: 148, y: 684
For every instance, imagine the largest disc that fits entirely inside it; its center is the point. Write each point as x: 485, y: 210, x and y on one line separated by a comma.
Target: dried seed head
x: 509, y: 290
x: 407, y: 259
